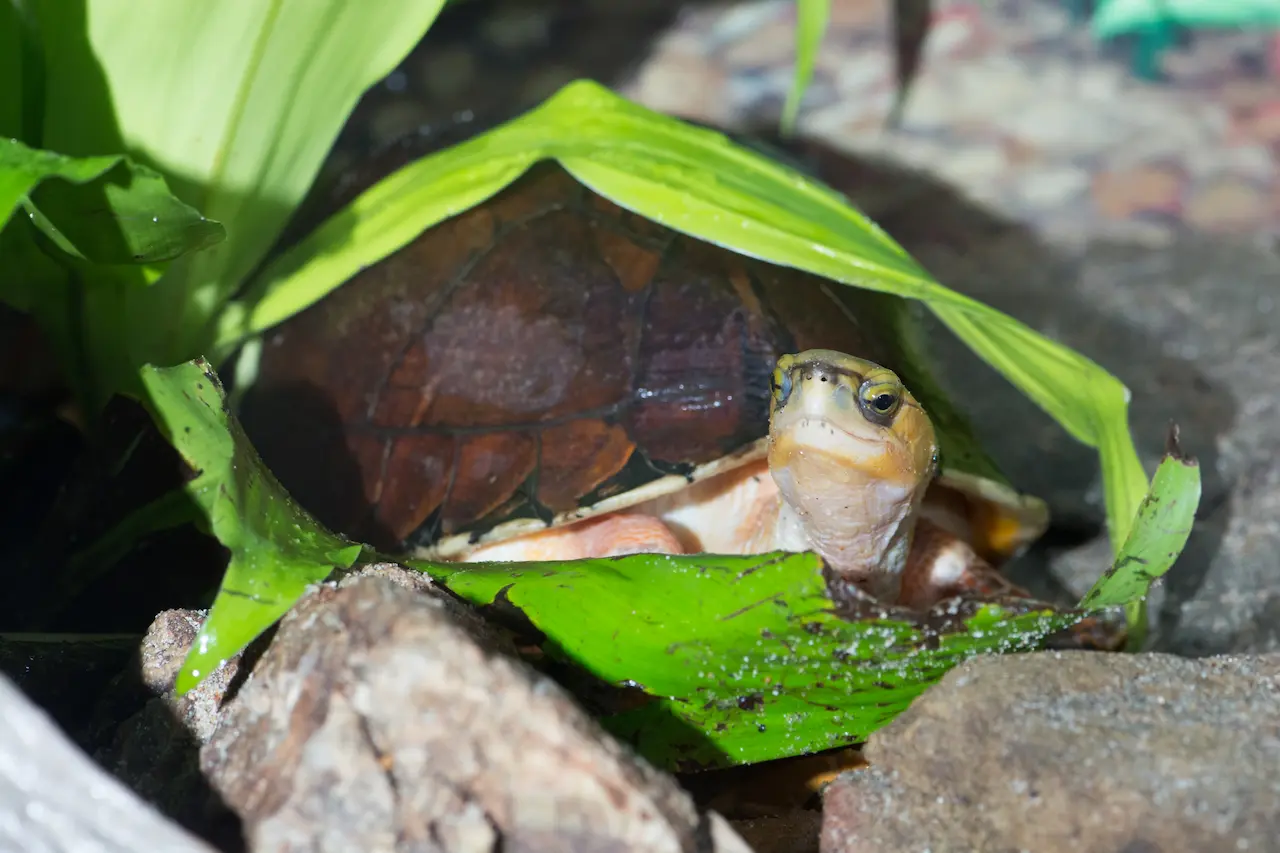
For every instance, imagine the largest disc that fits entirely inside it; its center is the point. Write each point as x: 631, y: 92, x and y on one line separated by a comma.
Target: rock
x: 1147, y: 188
x: 54, y: 799
x: 1226, y: 204
x: 1067, y: 751
x: 149, y: 737
x: 388, y: 718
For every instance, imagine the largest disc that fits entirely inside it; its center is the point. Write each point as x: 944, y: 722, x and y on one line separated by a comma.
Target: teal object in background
x: 1156, y: 23
x: 1114, y: 17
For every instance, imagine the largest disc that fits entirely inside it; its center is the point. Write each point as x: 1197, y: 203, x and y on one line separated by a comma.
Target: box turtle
x: 550, y: 376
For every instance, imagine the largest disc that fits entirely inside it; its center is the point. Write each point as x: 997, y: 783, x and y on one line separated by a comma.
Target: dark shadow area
x: 65, y: 674
x: 56, y: 583
x: 500, y: 58
x: 301, y: 439
x: 481, y: 63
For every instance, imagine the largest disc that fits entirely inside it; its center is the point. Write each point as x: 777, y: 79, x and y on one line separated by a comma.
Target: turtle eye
x: 781, y: 382
x: 880, y: 400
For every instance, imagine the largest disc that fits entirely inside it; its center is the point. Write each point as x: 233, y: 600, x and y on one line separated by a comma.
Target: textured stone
x: 1226, y: 204
x: 770, y: 45
x: 383, y: 718
x: 1060, y: 752
x: 1148, y: 188
x: 1052, y: 187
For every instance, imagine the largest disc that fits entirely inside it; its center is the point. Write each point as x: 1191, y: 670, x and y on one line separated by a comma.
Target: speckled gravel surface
x: 1015, y: 104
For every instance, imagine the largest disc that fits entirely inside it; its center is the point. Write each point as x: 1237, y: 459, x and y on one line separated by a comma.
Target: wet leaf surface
x: 277, y: 549
x: 745, y: 656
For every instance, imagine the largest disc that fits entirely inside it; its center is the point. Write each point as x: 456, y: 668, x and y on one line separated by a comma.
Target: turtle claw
x: 945, y: 575
x: 943, y: 566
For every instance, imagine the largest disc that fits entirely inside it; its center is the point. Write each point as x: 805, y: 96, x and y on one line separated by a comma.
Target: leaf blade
x: 1158, y: 535
x: 744, y: 654
x: 277, y: 548
x: 811, y: 26
x: 236, y: 104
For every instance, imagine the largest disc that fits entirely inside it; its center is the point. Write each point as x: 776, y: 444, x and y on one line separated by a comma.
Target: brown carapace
x: 535, y: 354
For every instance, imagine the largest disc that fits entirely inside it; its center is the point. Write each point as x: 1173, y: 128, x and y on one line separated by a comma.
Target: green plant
x: 226, y: 109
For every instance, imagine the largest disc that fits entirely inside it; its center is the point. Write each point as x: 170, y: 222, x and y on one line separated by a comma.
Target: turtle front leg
x: 941, y: 565
x: 611, y: 535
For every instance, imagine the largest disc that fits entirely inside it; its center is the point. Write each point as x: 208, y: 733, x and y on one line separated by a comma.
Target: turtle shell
x: 542, y: 355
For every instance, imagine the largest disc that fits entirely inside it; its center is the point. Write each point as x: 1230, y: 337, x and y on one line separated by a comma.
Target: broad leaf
x: 103, y: 209
x: 127, y: 216
x: 1115, y: 17
x: 19, y: 74
x: 22, y: 169
x: 277, y: 549
x: 698, y: 182
x: 89, y: 232
x: 744, y: 655
x: 237, y: 103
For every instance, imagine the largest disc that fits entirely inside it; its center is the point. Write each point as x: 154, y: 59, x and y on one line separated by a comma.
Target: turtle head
x: 852, y: 452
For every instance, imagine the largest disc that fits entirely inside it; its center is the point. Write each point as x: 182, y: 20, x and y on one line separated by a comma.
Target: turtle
x: 548, y: 375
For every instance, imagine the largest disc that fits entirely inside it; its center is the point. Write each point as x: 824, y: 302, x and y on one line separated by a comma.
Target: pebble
x: 1053, y: 186
x: 1226, y: 204
x: 1149, y: 188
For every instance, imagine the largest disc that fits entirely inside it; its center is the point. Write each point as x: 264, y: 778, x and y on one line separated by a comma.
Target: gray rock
x: 384, y: 717
x: 152, y: 743
x: 1067, y: 751
x: 53, y: 799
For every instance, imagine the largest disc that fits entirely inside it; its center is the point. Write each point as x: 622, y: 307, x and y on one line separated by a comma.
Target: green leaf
x: 90, y: 231
x: 237, y: 104
x: 22, y: 169
x: 104, y: 209
x: 14, y: 73
x: 744, y: 655
x: 1115, y: 17
x: 699, y: 182
x: 127, y: 216
x: 1158, y: 536
x: 811, y: 25
x: 277, y: 549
